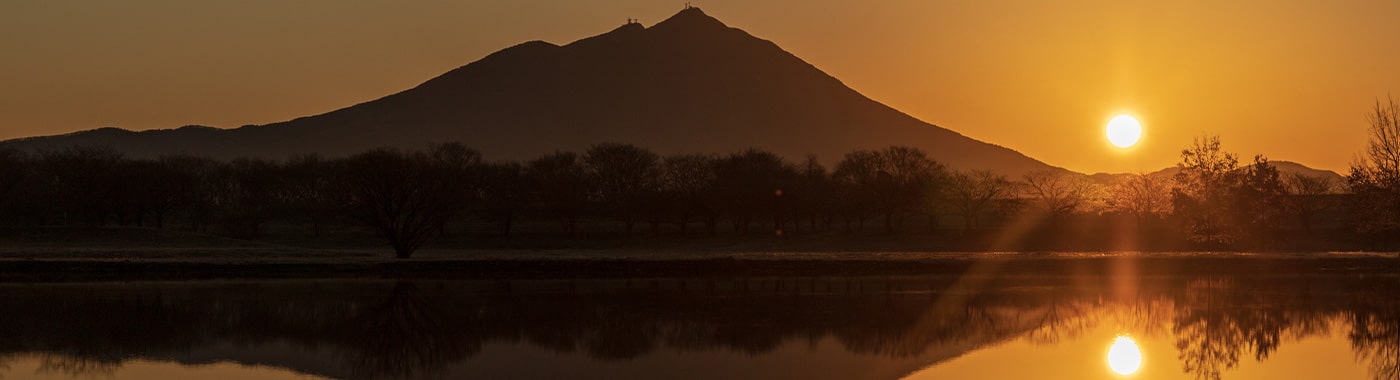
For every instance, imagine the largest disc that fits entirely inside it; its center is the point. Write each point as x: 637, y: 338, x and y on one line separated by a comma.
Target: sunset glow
x: 1195, y: 65
x: 630, y: 189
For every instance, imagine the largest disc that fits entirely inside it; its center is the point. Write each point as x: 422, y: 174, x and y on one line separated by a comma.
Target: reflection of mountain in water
x: 430, y: 329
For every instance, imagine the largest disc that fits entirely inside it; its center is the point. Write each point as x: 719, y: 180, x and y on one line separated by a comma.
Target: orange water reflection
x: 1041, y: 327
x: 44, y: 367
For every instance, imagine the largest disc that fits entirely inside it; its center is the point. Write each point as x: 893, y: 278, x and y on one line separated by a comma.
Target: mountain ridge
x: 688, y: 84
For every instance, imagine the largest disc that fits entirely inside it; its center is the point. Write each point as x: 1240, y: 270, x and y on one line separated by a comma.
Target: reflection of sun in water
x: 1124, y: 358
x: 1123, y: 131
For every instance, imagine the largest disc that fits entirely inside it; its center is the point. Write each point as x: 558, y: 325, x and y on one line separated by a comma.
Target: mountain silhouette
x: 1284, y: 168
x: 689, y: 84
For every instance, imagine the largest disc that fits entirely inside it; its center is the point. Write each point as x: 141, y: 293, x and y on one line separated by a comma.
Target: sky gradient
x: 1289, y: 79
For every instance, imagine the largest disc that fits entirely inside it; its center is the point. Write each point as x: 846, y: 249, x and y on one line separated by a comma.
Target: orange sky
x: 1292, y: 80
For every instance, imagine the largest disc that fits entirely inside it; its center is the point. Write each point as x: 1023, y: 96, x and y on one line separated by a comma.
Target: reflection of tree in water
x: 1375, y: 334
x: 409, y: 333
x: 1064, y: 318
x: 1208, y: 340
x: 1218, y: 320
x: 77, y: 367
x: 614, y: 336
x: 414, y: 329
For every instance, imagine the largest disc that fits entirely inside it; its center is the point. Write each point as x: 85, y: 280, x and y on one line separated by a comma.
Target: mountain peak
x: 689, y: 84
x: 691, y: 18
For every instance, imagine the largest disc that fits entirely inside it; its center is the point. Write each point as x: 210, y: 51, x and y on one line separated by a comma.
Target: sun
x: 1124, y: 358
x: 1123, y: 131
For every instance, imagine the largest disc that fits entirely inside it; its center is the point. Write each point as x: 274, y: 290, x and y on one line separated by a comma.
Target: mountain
x: 687, y: 84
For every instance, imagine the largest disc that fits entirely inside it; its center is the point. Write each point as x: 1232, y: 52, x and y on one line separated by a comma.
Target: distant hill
x: 1284, y: 168
x: 687, y: 84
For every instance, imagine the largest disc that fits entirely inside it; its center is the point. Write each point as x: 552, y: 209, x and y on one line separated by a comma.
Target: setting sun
x: 1124, y: 358
x: 1123, y: 131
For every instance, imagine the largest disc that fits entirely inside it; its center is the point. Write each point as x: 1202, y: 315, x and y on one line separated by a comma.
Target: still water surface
x: 1178, y: 327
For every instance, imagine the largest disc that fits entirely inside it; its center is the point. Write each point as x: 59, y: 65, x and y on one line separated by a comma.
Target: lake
x: 1249, y: 326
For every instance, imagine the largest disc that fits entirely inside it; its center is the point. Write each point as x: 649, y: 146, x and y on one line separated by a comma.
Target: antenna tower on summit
x: 687, y: 5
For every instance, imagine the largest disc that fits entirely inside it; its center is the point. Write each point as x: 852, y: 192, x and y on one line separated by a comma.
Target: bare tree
x: 973, y: 193
x: 1142, y: 195
x: 623, y: 176
x: 80, y: 183
x: 814, y: 194
x: 895, y: 180
x: 1059, y: 193
x: 749, y: 185
x: 15, y: 169
x: 406, y: 197
x: 914, y: 181
x: 309, y: 190
x: 463, y: 170
x: 1383, y: 149
x: 1375, y: 178
x: 1308, y: 196
x: 149, y: 188
x: 253, y: 192
x: 201, y: 178
x: 502, y: 191
x: 684, y: 182
x: 558, y: 183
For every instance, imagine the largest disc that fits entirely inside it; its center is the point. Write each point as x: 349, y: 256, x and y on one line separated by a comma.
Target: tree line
x: 409, y: 196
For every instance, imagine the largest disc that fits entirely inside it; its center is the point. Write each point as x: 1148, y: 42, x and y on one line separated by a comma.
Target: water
x: 1042, y: 327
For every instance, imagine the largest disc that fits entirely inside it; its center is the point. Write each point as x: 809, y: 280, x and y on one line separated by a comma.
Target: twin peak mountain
x: 689, y: 84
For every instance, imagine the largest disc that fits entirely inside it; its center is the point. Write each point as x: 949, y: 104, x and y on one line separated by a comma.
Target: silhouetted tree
x: 1221, y: 202
x: 973, y: 193
x: 684, y: 186
x: 252, y: 192
x: 1141, y: 195
x: 814, y: 195
x: 151, y: 188
x: 1204, y: 191
x: 623, y: 176
x: 201, y: 178
x: 559, y: 185
x: 463, y: 169
x: 750, y: 185
x: 1375, y: 177
x: 80, y: 183
x: 896, y: 180
x: 1308, y: 197
x: 310, y: 190
x: 856, y: 177
x: 1259, y: 201
x: 406, y: 197
x: 503, y: 193
x: 15, y: 169
x: 1059, y: 194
